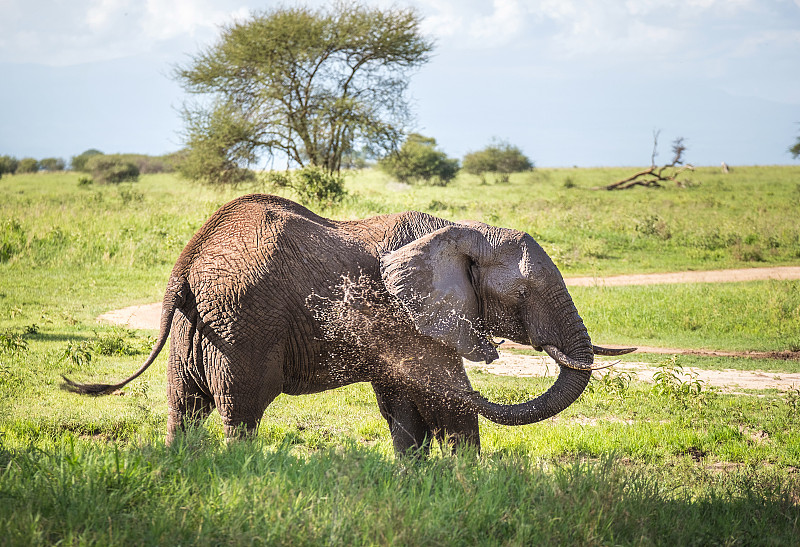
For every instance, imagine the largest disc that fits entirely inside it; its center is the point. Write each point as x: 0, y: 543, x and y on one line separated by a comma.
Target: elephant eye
x: 522, y: 292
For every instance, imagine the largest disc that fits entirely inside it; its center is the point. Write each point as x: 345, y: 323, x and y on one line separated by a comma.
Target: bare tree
x: 654, y: 176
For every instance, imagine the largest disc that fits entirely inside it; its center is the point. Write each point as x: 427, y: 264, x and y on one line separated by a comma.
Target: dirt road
x: 147, y: 317
x: 710, y: 276
x: 728, y: 380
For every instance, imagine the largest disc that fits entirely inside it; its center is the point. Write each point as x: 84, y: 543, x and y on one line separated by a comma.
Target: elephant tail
x: 173, y: 298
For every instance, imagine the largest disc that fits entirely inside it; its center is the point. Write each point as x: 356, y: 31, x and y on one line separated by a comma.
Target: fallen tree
x: 654, y: 176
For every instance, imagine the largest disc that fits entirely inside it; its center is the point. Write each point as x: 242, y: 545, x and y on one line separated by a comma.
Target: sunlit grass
x: 736, y: 220
x: 763, y: 315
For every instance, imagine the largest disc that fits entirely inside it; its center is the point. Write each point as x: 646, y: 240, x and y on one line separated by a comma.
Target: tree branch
x: 653, y: 176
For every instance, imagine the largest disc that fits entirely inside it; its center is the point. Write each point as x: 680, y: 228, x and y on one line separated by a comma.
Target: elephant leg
x: 188, y: 404
x: 243, y: 388
x: 410, y: 432
x: 187, y: 408
x: 454, y: 428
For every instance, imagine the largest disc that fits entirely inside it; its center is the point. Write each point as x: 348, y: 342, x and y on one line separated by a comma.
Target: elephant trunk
x: 567, y: 388
x: 569, y: 345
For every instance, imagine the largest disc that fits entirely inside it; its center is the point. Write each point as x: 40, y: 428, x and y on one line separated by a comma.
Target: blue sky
x: 571, y: 82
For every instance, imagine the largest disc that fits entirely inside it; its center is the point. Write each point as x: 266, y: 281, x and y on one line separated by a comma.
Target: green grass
x: 623, y: 465
x: 736, y: 220
x: 758, y: 316
x: 321, y: 472
x: 79, y: 493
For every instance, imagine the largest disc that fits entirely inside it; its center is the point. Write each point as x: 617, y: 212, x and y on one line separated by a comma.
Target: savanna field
x: 674, y: 462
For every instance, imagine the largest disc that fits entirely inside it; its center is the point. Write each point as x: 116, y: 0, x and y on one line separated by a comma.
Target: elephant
x: 268, y: 298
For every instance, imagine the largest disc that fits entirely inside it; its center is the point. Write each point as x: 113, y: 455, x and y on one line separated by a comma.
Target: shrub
x: 671, y: 380
x: 12, y: 239
x: 418, y: 160
x: 112, y: 169
x: 174, y: 159
x: 79, y: 162
x: 150, y: 164
x: 52, y: 164
x: 121, y: 342
x: 207, y: 161
x: 12, y: 343
x: 145, y: 163
x: 653, y: 226
x: 8, y: 165
x: 78, y: 353
x: 794, y: 150
x: 28, y: 165
x: 500, y: 158
x: 311, y: 183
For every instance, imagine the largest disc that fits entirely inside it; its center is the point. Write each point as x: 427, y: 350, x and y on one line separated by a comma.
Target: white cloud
x: 65, y: 33
x: 760, y: 41
x: 702, y: 37
x: 719, y: 42
x: 166, y: 20
x: 473, y: 24
x: 103, y: 15
x: 501, y: 26
x: 621, y: 31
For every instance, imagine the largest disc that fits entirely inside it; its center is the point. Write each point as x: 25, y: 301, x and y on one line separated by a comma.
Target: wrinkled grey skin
x: 269, y: 298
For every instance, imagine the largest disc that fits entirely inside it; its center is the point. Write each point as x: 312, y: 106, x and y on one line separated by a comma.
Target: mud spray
x: 369, y: 329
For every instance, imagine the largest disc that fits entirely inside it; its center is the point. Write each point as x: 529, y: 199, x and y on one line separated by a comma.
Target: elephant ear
x: 431, y: 278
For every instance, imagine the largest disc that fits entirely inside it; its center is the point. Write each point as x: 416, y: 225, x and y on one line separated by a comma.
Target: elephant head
x: 466, y: 283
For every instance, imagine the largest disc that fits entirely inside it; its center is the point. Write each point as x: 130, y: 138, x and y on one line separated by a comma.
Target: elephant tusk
x: 495, y: 344
x: 610, y: 352
x: 607, y: 365
x: 564, y: 360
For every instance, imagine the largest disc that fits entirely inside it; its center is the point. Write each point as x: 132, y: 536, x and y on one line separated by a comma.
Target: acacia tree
x: 501, y: 158
x: 419, y: 160
x: 305, y: 84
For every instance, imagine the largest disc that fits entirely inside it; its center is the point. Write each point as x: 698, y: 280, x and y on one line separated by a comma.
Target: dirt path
x: 710, y: 276
x: 147, y: 317
x: 729, y: 380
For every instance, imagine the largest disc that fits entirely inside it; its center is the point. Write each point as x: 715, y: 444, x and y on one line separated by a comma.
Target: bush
x: 312, y: 184
x: 52, y: 164
x: 78, y: 163
x: 219, y: 150
x: 8, y: 165
x: 418, y: 160
x: 146, y: 164
x: 150, y: 164
x: 112, y: 169
x: 12, y: 239
x: 28, y: 165
x: 209, y: 166
x: 501, y: 158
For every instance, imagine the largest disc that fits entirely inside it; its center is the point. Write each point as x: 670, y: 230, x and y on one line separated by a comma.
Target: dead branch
x: 653, y: 176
